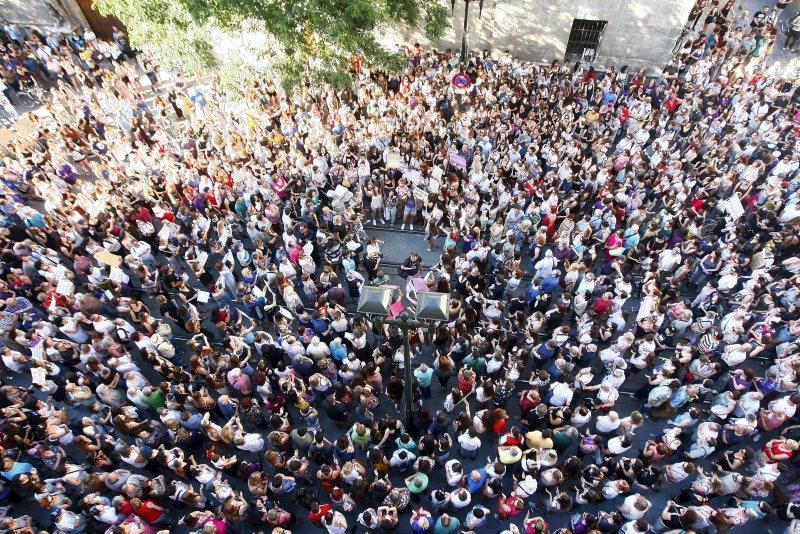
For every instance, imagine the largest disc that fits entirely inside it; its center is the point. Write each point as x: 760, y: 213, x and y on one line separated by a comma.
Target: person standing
x: 793, y: 39
x: 410, y: 266
x: 424, y: 375
x: 446, y: 525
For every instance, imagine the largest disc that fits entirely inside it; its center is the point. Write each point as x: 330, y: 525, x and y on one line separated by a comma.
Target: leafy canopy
x: 306, y: 40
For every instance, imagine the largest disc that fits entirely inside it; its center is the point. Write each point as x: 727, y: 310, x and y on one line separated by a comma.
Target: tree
x: 306, y: 40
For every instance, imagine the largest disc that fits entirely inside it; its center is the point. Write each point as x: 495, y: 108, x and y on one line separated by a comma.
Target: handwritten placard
x: 60, y: 272
x: 393, y: 159
x: 458, y: 161
x: 165, y: 232
x: 65, y: 287
x: 118, y: 276
x: 37, y: 353
x: 734, y: 207
x: 107, y: 258
x: 413, y: 176
x: 38, y: 376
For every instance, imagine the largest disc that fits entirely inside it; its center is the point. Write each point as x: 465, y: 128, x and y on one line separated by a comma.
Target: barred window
x: 584, y: 38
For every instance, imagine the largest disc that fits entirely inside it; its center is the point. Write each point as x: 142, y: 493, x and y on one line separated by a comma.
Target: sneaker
x: 411, y: 227
x: 403, y: 226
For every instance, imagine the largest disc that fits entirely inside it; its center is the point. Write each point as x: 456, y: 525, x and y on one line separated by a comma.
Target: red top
x: 148, y: 512
x: 776, y: 447
x: 317, y: 517
x: 509, y: 439
x: 698, y: 204
x: 508, y: 501
x: 601, y: 306
x: 498, y: 426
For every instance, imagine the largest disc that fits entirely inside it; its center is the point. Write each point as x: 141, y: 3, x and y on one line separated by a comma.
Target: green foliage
x: 311, y: 40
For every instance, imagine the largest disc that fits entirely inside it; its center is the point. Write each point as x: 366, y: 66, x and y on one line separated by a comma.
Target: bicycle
x: 32, y: 96
x: 681, y: 41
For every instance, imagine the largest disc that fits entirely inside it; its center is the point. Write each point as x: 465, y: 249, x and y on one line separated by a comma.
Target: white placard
x: 413, y: 176
x: 109, y: 295
x: 118, y: 276
x: 37, y: 353
x: 393, y: 159
x: 434, y: 185
x: 257, y: 293
x: 202, y: 296
x: 94, y: 209
x: 202, y: 257
x: 239, y: 109
x: 341, y: 192
x: 758, y: 260
x: 38, y: 376
x: 60, y: 272
x: 655, y: 159
x: 734, y: 207
x: 65, y: 287
x: 165, y: 232
x: 437, y: 173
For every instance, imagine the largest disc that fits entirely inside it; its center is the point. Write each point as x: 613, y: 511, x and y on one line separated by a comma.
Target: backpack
x: 163, y: 346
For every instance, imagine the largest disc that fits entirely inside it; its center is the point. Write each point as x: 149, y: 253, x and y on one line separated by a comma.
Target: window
x: 584, y: 38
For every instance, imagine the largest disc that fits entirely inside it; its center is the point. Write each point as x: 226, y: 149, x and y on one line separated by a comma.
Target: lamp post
x: 466, y: 24
x: 431, y: 306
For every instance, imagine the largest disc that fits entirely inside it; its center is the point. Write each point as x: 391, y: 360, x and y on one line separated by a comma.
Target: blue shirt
x: 424, y: 379
x: 339, y: 352
x: 193, y: 423
x: 17, y: 468
x: 679, y: 398
x: 549, y: 284
x: 476, y: 485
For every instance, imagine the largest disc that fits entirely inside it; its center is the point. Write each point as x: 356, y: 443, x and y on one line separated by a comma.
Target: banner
x: 458, y: 161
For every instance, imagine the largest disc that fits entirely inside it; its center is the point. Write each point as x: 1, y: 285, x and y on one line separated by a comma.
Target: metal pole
x: 464, y: 33
x: 405, y: 326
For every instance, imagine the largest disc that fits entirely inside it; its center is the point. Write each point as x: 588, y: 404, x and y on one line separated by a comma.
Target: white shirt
x: 469, y: 443
x: 561, y: 394
x: 252, y: 442
x: 606, y: 424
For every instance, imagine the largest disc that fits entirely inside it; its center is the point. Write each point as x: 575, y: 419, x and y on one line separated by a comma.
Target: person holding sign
x: 411, y: 266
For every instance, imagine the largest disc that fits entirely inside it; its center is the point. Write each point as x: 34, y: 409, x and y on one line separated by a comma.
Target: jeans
x: 469, y: 455
x: 793, y: 39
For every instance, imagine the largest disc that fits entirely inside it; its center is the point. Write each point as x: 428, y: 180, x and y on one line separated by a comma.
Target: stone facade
x: 46, y: 15
x: 639, y: 33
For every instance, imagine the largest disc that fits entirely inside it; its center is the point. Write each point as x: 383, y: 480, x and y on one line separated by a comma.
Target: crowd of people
x: 180, y: 265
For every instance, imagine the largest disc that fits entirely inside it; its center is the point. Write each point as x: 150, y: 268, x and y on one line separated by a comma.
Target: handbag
x: 615, y: 252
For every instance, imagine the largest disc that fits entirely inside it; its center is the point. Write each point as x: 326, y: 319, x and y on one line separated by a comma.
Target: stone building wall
x: 46, y: 15
x: 639, y: 33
